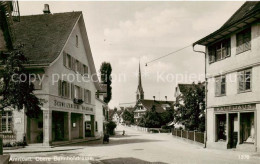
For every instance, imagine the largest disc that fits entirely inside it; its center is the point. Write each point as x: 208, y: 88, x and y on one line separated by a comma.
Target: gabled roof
x: 45, y: 35
x: 184, y: 87
x: 130, y: 109
x: 248, y: 13
x: 148, y: 104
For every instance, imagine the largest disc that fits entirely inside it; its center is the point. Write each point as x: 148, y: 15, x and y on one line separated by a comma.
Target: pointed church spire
x: 140, y: 91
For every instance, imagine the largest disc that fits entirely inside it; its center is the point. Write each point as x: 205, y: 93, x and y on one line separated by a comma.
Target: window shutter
x: 89, y: 97
x: 59, y: 88
x: 85, y: 95
x: 217, y: 86
x: 68, y: 90
x: 64, y: 58
x: 228, y: 48
x: 241, y: 81
x: 81, y: 69
x: 72, y: 91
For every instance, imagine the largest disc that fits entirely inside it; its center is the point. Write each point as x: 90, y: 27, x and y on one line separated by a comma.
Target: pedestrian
x: 123, y: 132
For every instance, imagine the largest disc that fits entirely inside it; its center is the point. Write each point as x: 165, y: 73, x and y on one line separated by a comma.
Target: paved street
x: 138, y: 147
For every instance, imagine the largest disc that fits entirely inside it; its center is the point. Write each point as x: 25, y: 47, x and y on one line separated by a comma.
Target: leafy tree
x: 16, y: 92
x: 191, y: 112
x: 111, y: 128
x: 167, y: 116
x: 128, y: 117
x: 151, y: 119
x: 105, y: 71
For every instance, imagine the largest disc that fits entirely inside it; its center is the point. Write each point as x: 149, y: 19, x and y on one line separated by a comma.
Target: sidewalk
x: 63, y: 146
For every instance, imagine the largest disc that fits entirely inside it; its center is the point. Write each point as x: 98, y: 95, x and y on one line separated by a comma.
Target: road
x: 139, y: 147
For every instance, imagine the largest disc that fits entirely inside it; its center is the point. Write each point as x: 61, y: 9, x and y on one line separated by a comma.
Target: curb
x: 41, y: 151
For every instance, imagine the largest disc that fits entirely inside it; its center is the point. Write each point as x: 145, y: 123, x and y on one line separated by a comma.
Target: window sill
x: 220, y: 95
x: 244, y: 91
x: 219, y: 60
x: 237, y: 53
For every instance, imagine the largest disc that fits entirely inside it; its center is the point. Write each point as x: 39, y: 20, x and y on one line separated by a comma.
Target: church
x: 143, y: 105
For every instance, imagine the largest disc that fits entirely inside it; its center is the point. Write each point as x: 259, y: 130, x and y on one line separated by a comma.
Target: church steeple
x: 140, y: 91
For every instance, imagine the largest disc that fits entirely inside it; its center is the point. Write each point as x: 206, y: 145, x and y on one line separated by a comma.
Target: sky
x: 126, y: 33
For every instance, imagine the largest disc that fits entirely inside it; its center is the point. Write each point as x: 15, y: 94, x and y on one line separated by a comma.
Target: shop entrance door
x: 233, y: 130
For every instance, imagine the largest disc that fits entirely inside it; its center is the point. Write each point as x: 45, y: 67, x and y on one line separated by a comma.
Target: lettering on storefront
x: 236, y: 107
x: 71, y: 106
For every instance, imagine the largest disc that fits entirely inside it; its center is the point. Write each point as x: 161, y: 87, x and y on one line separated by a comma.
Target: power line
x: 168, y: 54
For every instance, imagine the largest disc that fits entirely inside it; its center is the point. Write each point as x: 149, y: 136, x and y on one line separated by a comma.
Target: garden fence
x: 190, y: 135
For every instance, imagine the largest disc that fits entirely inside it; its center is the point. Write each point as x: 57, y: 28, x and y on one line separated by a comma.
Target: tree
x: 105, y: 71
x: 151, y: 119
x: 167, y: 116
x: 128, y: 117
x: 111, y: 127
x: 16, y: 91
x: 192, y: 112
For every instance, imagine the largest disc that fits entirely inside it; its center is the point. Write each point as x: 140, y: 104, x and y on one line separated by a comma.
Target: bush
x: 15, y: 144
x: 111, y: 128
x: 166, y: 127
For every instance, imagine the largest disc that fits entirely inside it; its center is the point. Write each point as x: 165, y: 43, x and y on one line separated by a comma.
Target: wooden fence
x: 190, y: 135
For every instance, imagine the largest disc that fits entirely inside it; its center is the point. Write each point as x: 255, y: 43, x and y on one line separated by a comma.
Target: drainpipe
x: 206, y: 93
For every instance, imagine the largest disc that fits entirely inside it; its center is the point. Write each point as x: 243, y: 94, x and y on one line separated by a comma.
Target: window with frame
x: 245, y: 80
x: 243, y: 39
x: 64, y: 89
x: 85, y: 70
x: 68, y: 61
x: 220, y: 86
x: 87, y: 96
x: 35, y: 80
x: 219, y: 51
x: 7, y: 119
x: 77, y: 41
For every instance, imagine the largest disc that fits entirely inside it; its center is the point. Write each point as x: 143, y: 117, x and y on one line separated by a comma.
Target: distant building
x: 142, y: 105
x: 140, y: 90
x: 233, y: 69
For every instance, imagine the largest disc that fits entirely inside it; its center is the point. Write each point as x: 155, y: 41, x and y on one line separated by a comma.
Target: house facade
x: 233, y: 78
x: 65, y: 79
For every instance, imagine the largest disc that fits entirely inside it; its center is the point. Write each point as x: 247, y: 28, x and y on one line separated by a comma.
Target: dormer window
x: 77, y: 41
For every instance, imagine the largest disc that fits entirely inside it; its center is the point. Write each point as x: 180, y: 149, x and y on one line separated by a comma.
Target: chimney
x: 46, y: 9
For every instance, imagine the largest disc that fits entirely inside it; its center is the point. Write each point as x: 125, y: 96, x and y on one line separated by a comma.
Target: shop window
x: 245, y: 80
x: 243, y: 40
x: 7, y: 119
x: 221, y: 127
x: 220, y: 86
x: 247, y: 128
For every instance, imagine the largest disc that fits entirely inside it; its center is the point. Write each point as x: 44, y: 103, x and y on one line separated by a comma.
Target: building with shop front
x: 65, y: 80
x: 233, y: 78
